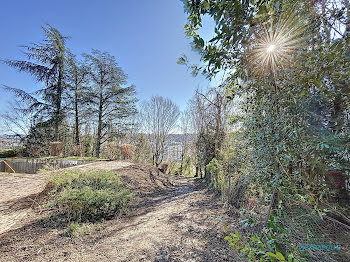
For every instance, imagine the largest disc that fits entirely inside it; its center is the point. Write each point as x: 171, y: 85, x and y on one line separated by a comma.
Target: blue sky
x: 146, y: 37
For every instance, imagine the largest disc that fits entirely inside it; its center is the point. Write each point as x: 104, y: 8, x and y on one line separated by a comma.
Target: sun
x: 270, y: 48
x: 274, y: 46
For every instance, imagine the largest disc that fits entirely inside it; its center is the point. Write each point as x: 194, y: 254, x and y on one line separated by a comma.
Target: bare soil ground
x: 20, y: 192
x: 172, y: 220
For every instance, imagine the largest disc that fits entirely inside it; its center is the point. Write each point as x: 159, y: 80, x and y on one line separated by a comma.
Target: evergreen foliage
x: 76, y: 95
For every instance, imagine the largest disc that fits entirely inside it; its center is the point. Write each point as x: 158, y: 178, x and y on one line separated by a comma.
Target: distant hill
x: 8, y: 141
x: 177, y: 138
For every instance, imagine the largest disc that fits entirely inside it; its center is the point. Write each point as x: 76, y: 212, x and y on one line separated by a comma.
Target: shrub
x: 56, y: 148
x: 174, y: 168
x: 188, y: 167
x: 218, y: 178
x: 164, y: 167
x: 10, y: 153
x: 127, y: 151
x: 34, y: 151
x: 143, y: 152
x: 89, y: 196
x: 76, y: 150
x: 111, y: 150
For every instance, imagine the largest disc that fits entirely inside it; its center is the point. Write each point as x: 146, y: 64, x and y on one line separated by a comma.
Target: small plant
x: 248, y: 221
x: 265, y: 247
x: 76, y: 229
x: 89, y: 196
x: 46, y: 168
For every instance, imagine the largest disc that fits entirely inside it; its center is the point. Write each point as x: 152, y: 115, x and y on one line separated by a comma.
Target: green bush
x: 188, y: 167
x: 89, y: 196
x: 188, y: 170
x: 174, y: 168
x: 10, y: 153
x: 218, y: 179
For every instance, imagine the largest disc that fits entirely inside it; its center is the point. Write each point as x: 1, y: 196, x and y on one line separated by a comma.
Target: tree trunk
x: 99, y: 129
x: 337, y: 120
x: 77, y: 138
x: 182, y: 161
x: 58, y: 102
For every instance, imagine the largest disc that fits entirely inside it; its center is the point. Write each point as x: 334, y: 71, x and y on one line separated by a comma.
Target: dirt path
x: 177, y: 225
x: 174, y: 224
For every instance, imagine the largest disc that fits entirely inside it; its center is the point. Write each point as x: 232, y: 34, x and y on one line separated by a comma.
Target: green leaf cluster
x: 89, y: 196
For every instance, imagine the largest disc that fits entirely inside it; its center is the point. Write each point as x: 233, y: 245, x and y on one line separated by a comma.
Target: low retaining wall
x: 31, y: 166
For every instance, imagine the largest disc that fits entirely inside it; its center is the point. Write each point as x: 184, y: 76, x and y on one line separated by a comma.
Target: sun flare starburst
x: 274, y: 46
x: 271, y: 48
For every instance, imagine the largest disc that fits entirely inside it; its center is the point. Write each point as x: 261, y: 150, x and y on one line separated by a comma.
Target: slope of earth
x: 20, y: 192
x: 173, y: 220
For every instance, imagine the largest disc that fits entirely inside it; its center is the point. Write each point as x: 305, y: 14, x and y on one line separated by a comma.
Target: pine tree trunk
x: 77, y: 135
x: 58, y: 103
x: 99, y: 129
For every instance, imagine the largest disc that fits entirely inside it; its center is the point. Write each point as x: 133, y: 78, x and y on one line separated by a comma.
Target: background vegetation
x: 290, y: 131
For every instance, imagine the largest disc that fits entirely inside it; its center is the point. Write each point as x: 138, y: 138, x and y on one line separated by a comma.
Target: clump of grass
x: 89, y: 196
x: 75, y: 229
x: 46, y: 168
